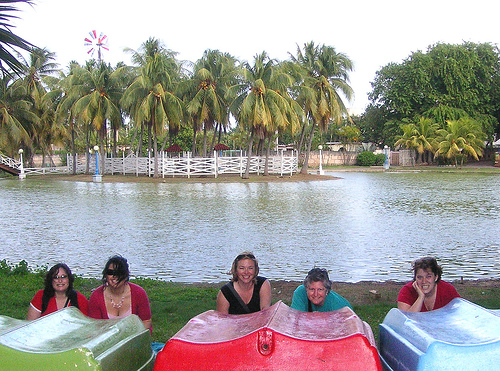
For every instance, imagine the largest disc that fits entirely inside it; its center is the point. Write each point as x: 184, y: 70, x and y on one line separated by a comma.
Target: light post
x: 97, y: 177
x: 386, y: 163
x: 22, y: 175
x: 320, y: 171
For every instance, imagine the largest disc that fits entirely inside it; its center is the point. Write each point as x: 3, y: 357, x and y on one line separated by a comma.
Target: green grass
x: 174, y: 304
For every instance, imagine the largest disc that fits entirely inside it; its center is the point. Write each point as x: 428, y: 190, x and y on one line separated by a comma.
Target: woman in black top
x: 247, y: 292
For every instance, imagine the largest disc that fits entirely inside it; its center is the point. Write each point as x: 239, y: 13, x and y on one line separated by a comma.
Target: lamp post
x: 97, y: 177
x: 386, y: 163
x: 22, y: 175
x: 320, y: 171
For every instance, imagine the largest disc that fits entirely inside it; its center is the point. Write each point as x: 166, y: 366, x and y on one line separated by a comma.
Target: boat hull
x: 278, y: 338
x: 69, y: 340
x: 457, y: 336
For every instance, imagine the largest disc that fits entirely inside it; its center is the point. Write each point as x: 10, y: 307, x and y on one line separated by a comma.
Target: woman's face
x: 316, y: 293
x: 60, y: 282
x: 245, y: 270
x: 112, y: 280
x: 426, y: 280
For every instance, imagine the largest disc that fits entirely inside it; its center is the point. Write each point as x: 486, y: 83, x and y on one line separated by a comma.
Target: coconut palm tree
x: 206, y: 91
x: 460, y: 139
x: 324, y: 74
x: 150, y: 99
x: 98, y: 91
x: 426, y: 130
x: 9, y: 41
x: 47, y: 130
x: 408, y: 139
x: 259, y: 103
x: 15, y: 115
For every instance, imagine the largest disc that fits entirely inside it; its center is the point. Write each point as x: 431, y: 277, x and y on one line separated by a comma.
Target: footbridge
x: 10, y: 165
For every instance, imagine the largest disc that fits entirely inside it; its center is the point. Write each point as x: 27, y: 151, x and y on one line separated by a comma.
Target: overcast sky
x: 372, y: 33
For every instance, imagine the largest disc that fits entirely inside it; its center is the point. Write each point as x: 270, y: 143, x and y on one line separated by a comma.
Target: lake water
x: 365, y: 226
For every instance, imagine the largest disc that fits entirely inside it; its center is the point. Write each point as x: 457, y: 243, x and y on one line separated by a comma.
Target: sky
x: 371, y: 33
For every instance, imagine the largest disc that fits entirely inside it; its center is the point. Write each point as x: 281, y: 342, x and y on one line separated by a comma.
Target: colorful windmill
x: 96, y: 43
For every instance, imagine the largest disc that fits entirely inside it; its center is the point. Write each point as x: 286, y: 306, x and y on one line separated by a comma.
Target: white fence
x: 10, y: 162
x: 186, y: 166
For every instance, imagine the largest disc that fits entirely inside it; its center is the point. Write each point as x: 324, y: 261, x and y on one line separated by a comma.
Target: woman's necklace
x: 120, y: 303
x: 117, y: 305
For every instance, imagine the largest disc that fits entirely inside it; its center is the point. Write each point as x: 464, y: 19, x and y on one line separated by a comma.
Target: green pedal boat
x: 69, y: 340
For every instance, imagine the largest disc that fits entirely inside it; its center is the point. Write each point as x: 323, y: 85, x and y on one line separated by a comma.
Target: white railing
x: 167, y: 166
x: 188, y: 166
x: 10, y: 162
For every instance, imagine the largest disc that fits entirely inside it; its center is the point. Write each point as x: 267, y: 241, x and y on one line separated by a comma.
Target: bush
x: 380, y: 159
x: 366, y: 158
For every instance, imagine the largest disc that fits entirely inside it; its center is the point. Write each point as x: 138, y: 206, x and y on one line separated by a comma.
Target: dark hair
x: 234, y: 266
x: 427, y: 263
x: 318, y: 275
x: 120, y: 269
x: 48, y: 290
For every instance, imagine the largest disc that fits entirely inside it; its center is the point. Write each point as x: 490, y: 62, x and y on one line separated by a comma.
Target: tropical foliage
x: 413, y: 100
x: 442, y: 104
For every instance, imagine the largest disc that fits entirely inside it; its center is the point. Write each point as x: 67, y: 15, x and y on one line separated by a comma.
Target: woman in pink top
x: 117, y: 297
x: 427, y: 291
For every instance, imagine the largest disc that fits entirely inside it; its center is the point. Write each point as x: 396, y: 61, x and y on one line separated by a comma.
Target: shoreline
x: 118, y: 178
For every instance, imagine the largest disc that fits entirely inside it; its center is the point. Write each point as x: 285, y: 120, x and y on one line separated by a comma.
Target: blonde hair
x: 234, y: 266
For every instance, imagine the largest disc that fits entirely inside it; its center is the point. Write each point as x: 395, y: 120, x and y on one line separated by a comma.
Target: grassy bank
x: 173, y: 304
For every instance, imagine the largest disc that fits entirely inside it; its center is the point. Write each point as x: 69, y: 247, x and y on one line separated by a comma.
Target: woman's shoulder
x: 136, y: 288
x: 97, y: 291
x: 261, y: 280
x: 80, y: 295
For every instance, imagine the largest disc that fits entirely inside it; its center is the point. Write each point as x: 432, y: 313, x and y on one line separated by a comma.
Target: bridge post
x: 22, y: 174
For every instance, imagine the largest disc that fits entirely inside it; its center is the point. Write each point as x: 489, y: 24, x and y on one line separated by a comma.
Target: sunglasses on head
x: 245, y: 256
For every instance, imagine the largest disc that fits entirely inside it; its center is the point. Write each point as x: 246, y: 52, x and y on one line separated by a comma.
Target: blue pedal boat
x: 459, y: 336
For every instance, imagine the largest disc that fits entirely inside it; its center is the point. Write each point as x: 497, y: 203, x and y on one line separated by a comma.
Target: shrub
x: 380, y: 159
x: 366, y: 158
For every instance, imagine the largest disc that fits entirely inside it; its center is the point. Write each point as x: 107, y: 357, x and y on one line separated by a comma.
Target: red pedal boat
x: 278, y: 338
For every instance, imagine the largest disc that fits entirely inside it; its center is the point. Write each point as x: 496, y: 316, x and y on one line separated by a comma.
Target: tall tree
x: 15, y: 115
x: 259, y: 104
x: 99, y: 92
x: 442, y: 83
x: 150, y: 99
x: 325, y: 75
x: 47, y: 130
x: 206, y: 91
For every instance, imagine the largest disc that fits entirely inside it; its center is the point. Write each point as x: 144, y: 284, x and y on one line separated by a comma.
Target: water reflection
x: 365, y: 226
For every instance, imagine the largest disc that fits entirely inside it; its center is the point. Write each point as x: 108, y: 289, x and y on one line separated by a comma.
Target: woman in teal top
x: 315, y: 294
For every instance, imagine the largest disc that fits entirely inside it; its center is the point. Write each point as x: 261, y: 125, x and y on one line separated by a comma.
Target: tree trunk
x: 213, y: 138
x: 205, y: 139
x: 305, y: 166
x: 155, y: 151
x: 193, y: 148
x: 250, y: 145
x: 73, y: 147
x: 268, y: 150
x: 302, y: 135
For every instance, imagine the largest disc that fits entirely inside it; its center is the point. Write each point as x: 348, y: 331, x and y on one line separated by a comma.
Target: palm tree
x: 460, y: 139
x: 426, y: 134
x: 324, y: 75
x: 206, y: 91
x: 15, y: 115
x: 150, y: 99
x: 259, y: 102
x: 46, y: 131
x: 10, y: 41
x: 98, y: 92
